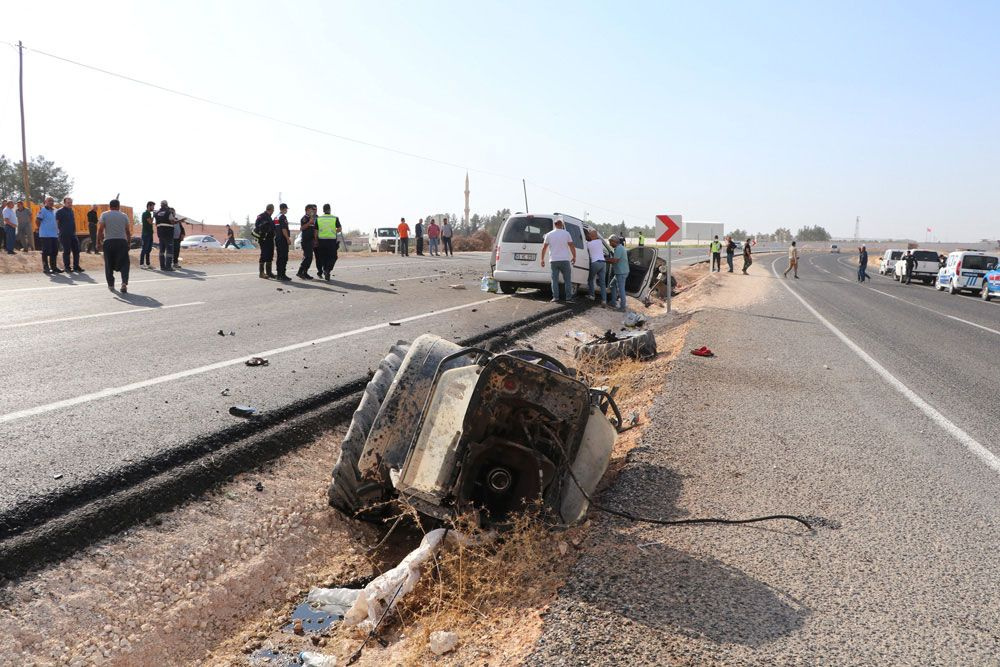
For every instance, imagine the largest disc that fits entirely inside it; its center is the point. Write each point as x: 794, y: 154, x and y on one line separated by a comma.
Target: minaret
x: 466, y: 200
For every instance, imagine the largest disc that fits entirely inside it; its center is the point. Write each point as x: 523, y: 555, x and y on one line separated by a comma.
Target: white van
x: 964, y: 270
x: 383, y: 239
x: 887, y: 263
x: 517, y: 256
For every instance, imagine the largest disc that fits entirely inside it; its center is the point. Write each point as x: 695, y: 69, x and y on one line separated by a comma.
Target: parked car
x: 383, y: 239
x: 965, y: 270
x: 991, y: 284
x: 516, y: 259
x: 243, y: 244
x: 835, y: 248
x: 925, y: 267
x: 201, y: 241
x: 887, y: 263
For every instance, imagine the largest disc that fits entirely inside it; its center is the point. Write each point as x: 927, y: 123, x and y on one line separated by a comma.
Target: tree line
x: 45, y: 179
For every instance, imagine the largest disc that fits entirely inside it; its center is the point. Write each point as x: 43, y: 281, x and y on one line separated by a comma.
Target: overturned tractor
x: 452, y: 430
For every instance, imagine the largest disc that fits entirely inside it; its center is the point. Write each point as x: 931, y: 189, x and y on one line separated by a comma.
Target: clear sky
x: 759, y: 115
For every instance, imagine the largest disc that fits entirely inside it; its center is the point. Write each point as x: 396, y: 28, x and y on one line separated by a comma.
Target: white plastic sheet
x: 333, y: 600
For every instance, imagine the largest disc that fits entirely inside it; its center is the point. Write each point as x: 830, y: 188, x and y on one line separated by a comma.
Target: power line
x: 300, y: 126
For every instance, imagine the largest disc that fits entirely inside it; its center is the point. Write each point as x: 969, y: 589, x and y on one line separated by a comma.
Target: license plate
x: 525, y: 256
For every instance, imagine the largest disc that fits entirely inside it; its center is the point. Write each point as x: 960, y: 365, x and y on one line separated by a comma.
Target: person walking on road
x: 433, y: 238
x: 25, y: 233
x: 419, y: 231
x: 327, y: 226
x: 179, y: 234
x: 910, y: 261
x: 715, y: 250
x: 114, y: 232
x: 147, y: 235
x: 282, y: 240
x: 48, y: 236
x: 307, y: 227
x: 730, y: 251
x: 863, y: 265
x: 67, y: 236
x: 230, y: 238
x: 598, y: 267
x: 446, y: 234
x: 404, y: 238
x: 562, y: 257
x: 620, y: 271
x: 9, y: 226
x: 747, y: 259
x: 164, y: 218
x: 263, y: 229
x: 793, y: 260
x: 92, y: 230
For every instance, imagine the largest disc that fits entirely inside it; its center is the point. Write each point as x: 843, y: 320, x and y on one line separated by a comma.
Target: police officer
x: 308, y: 227
x: 165, y: 235
x: 716, y: 250
x: 327, y: 226
x: 281, y: 240
x: 264, y: 230
x: 909, y: 261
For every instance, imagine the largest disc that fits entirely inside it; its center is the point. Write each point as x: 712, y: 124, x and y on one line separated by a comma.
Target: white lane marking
x: 984, y: 455
x: 936, y: 312
x: 166, y: 278
x: 142, y: 384
x: 107, y: 314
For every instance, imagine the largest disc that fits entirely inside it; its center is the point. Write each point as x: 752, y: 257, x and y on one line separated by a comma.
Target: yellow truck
x: 80, y: 215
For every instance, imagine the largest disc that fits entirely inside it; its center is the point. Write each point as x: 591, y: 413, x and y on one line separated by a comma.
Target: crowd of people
x: 438, y: 237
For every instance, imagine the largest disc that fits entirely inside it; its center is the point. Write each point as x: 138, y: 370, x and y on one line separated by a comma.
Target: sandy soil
x: 215, y: 580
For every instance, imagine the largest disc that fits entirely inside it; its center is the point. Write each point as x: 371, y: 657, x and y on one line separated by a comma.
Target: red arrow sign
x: 667, y: 226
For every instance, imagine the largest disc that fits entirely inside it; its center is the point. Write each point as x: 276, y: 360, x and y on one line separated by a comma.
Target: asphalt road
x: 886, y: 430
x: 99, y: 382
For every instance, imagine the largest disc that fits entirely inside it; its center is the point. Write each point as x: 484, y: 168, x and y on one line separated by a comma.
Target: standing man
x: 598, y: 267
x: 404, y: 237
x: 67, y: 236
x: 48, y: 236
x: 730, y: 251
x: 563, y: 256
x: 115, y: 234
x: 419, y: 231
x: 793, y: 260
x: 263, y: 229
x: 446, y: 233
x: 282, y: 240
x: 92, y: 230
x: 9, y: 226
x: 308, y: 227
x: 747, y: 259
x: 230, y: 238
x: 715, y: 250
x: 147, y: 235
x: 179, y: 234
x: 863, y: 264
x: 642, y: 239
x: 165, y: 235
x: 910, y: 260
x: 433, y: 236
x: 25, y: 233
x: 326, y: 249
x: 619, y: 260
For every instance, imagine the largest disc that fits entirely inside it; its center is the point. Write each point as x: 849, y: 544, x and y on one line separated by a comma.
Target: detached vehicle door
x: 642, y: 264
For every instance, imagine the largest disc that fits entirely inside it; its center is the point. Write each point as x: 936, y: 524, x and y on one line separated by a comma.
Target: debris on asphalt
x: 395, y: 324
x: 489, y: 284
x: 232, y: 333
x: 257, y: 361
x: 225, y: 392
x: 825, y: 367
x: 442, y: 642
x: 475, y: 310
x: 703, y: 352
x: 221, y: 332
x: 457, y: 286
x: 58, y: 475
x: 247, y: 411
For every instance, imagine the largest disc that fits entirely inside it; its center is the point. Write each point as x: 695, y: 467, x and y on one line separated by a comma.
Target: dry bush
x: 481, y: 240
x: 629, y: 375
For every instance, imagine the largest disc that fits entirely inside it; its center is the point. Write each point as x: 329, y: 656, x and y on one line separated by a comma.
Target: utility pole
x: 525, y: 186
x: 857, y: 228
x: 24, y: 143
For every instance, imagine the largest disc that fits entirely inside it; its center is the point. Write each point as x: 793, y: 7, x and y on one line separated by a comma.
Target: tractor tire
x: 630, y: 344
x: 344, y: 486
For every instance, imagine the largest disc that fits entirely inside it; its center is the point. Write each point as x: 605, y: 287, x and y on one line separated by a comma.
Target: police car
x: 991, y: 284
x: 964, y: 270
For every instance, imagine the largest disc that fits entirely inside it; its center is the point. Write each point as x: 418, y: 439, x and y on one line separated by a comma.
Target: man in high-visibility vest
x: 715, y: 248
x: 642, y: 239
x: 327, y: 227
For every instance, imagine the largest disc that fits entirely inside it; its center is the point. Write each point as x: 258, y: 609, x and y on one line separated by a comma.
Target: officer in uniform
x: 281, y: 240
x: 264, y: 229
x: 308, y: 227
x: 327, y: 226
x: 716, y: 250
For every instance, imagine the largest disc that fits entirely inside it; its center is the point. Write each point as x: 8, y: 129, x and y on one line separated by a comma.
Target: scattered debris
x: 634, y: 320
x: 297, y: 627
x: 825, y: 367
x: 259, y: 486
x: 232, y: 333
x: 58, y: 475
x: 633, y: 418
x: 312, y: 659
x: 222, y: 333
x: 247, y: 411
x: 563, y: 548
x: 442, y: 642
x: 392, y: 284
x: 457, y: 286
x: 489, y: 284
x: 395, y: 324
x: 475, y: 310
x: 333, y: 601
x: 225, y: 392
x: 257, y: 361
x: 703, y: 352
x: 639, y: 345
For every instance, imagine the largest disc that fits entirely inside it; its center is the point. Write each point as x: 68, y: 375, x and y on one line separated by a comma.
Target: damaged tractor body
x: 462, y: 430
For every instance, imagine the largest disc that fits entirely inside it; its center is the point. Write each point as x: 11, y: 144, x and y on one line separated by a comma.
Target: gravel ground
x: 902, y: 571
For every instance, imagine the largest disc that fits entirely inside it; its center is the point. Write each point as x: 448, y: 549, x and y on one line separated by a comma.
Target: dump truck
x: 456, y: 430
x: 80, y: 214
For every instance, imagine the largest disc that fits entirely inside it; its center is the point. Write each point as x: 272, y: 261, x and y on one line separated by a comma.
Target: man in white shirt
x: 9, y: 226
x: 793, y: 260
x: 563, y: 255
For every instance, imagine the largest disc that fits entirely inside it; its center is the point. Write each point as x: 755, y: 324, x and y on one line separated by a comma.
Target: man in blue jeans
x: 620, y: 269
x: 562, y: 257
